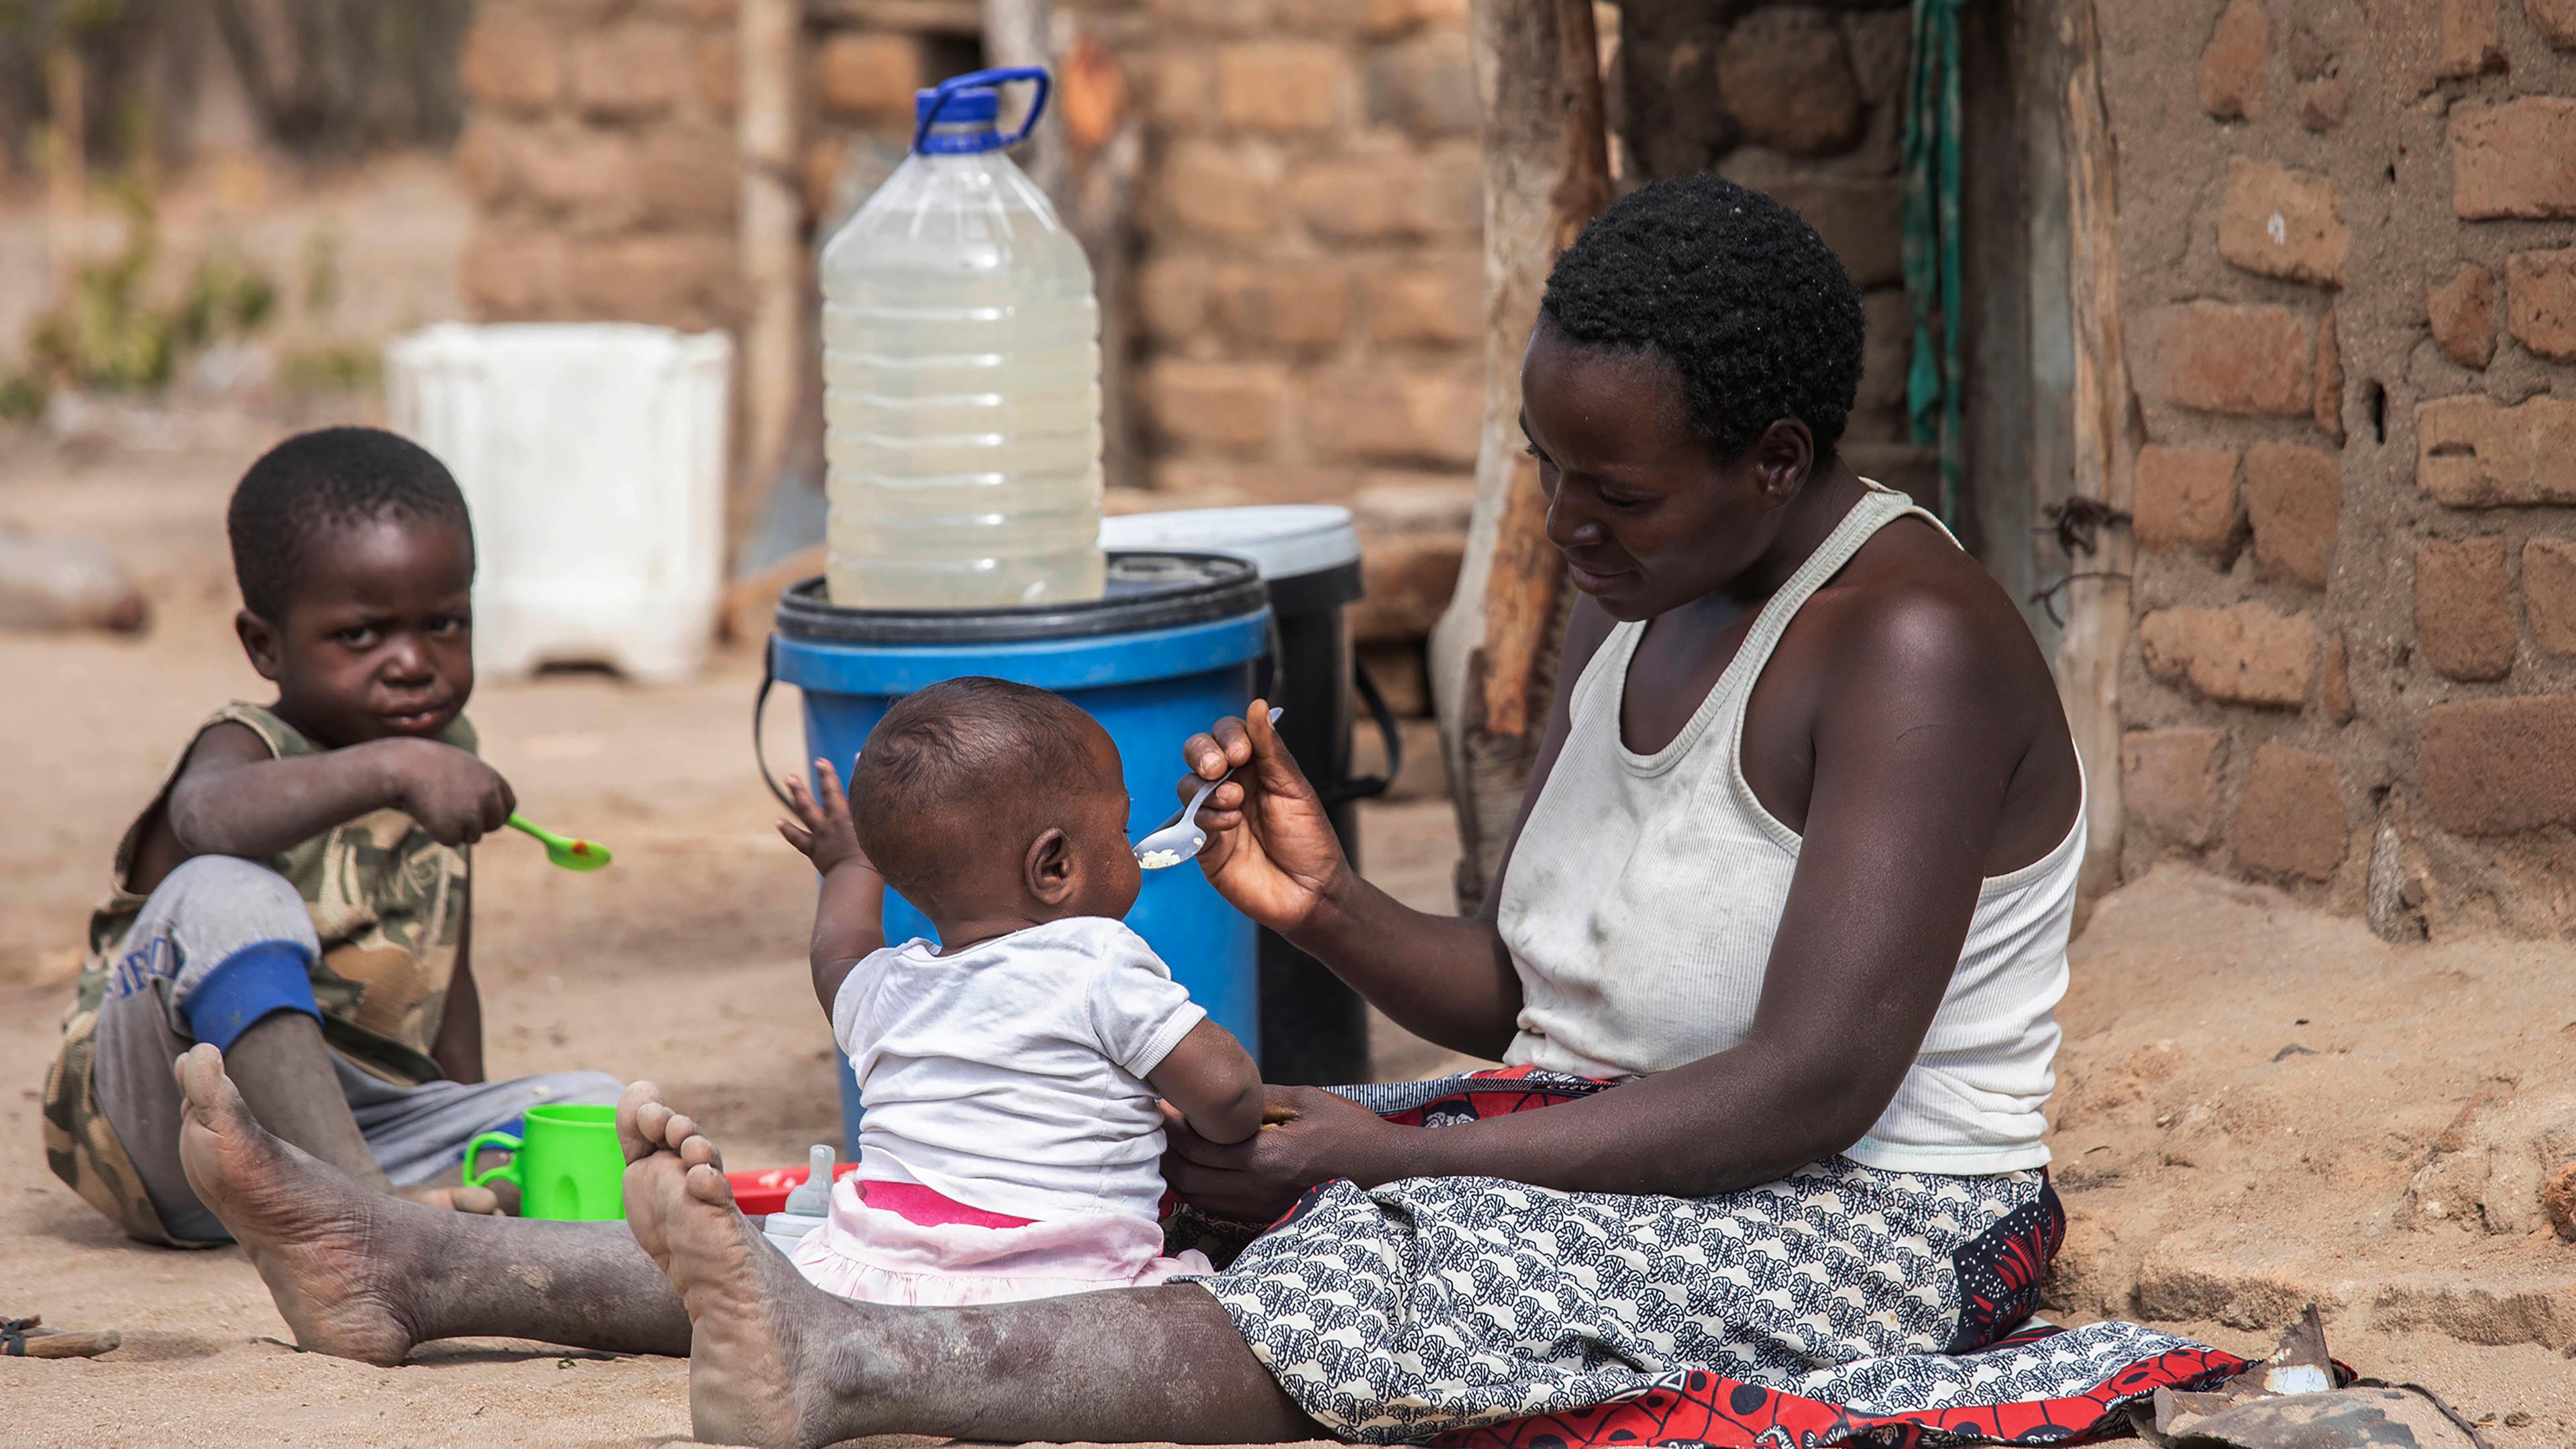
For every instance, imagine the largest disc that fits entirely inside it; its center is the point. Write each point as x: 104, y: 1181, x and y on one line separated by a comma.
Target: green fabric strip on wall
x: 1933, y: 380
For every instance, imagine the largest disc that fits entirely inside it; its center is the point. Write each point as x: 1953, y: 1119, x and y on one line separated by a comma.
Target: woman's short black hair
x: 318, y: 481
x: 1743, y: 296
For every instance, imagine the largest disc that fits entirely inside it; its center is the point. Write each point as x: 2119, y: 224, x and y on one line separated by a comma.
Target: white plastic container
x: 593, y: 459
x: 807, y: 1206
x: 1283, y: 540
x: 961, y: 378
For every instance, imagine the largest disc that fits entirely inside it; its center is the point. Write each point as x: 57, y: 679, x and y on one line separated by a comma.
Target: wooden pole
x: 2108, y: 432
x: 1493, y: 657
x: 772, y: 253
x: 1104, y: 152
x: 1022, y: 32
x: 1086, y: 155
x: 67, y: 166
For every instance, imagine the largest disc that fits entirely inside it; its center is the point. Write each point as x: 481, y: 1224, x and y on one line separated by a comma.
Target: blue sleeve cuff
x: 247, y: 986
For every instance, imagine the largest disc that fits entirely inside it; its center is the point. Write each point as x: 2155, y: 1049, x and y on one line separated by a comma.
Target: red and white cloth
x: 903, y: 1243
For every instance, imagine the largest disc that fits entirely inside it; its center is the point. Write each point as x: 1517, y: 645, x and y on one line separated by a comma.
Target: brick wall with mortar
x: 1309, y: 279
x: 1308, y: 283
x: 2349, y: 283
x: 599, y: 151
x: 1309, y: 287
x: 1805, y: 102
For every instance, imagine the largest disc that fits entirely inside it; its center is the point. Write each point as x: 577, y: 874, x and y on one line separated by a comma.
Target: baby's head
x: 355, y: 560
x: 985, y: 801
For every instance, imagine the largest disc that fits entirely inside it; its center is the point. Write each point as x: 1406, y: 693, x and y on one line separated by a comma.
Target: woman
x: 1777, y: 941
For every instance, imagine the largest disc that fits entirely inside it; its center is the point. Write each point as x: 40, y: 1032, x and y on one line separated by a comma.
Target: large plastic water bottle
x: 961, y: 377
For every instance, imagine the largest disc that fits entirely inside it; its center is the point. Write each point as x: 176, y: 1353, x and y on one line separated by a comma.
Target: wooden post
x: 1022, y: 32
x: 773, y: 254
x: 2108, y: 432
x: 67, y: 166
x: 1104, y: 153
x: 1493, y: 657
x: 1086, y: 155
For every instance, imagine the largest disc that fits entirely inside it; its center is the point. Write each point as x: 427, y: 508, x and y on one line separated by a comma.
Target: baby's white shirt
x: 1010, y: 1076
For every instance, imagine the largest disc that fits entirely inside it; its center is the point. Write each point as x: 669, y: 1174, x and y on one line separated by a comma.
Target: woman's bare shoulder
x: 1914, y: 629
x: 1910, y: 591
x: 1920, y: 635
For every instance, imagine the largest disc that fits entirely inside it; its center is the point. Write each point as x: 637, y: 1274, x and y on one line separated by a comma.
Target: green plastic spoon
x: 570, y: 854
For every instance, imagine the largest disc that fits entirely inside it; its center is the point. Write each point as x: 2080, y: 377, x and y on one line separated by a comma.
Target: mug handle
x: 507, y: 1171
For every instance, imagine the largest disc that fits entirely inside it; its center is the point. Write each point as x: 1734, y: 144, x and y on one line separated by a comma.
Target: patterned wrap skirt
x: 1840, y: 1304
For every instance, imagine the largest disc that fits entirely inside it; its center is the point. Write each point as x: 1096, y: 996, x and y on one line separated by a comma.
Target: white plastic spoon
x: 1180, y: 838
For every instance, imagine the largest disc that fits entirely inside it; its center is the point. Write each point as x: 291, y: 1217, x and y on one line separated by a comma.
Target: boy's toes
x: 706, y: 1183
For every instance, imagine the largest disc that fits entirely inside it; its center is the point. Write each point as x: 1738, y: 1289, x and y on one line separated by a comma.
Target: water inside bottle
x: 961, y: 385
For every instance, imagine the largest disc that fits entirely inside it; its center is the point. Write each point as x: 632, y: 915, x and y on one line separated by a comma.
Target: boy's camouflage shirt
x: 389, y: 905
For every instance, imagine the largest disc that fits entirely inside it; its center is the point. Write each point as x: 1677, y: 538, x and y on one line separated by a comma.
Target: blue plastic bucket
x: 1169, y: 648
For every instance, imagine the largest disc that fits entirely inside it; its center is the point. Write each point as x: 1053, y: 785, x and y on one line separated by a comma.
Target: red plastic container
x: 765, y: 1190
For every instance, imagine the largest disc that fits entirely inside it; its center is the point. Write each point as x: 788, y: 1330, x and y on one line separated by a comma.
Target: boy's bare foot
x: 307, y: 1227
x: 745, y: 1300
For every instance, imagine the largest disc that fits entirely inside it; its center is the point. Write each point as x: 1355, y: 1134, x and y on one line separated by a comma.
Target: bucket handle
x: 759, y: 704
x: 947, y: 91
x: 1388, y: 734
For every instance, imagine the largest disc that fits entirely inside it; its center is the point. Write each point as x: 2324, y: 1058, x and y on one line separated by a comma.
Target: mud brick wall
x: 2348, y: 282
x: 1308, y: 286
x: 1306, y: 300
x: 1805, y: 102
x: 1311, y: 278
x: 599, y: 150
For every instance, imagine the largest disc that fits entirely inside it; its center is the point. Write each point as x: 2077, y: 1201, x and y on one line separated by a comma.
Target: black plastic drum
x: 1314, y: 1029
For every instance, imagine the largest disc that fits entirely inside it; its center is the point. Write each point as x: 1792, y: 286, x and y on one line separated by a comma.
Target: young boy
x: 297, y: 892
x: 1013, y: 1072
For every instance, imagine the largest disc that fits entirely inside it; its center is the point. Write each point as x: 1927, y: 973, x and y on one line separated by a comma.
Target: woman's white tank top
x: 1641, y: 901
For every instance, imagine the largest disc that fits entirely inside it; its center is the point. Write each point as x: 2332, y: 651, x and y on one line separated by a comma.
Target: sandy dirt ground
x: 2261, y: 1106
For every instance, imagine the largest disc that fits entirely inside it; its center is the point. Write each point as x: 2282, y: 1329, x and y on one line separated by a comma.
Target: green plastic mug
x: 566, y: 1162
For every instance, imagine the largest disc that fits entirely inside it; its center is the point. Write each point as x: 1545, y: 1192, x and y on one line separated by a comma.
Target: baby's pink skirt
x: 875, y: 1255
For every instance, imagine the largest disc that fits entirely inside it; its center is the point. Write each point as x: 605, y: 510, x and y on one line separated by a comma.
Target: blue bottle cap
x: 976, y: 107
x: 956, y: 116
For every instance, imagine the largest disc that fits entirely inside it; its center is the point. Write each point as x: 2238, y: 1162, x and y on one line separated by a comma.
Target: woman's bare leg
x: 366, y: 1276
x: 773, y: 1360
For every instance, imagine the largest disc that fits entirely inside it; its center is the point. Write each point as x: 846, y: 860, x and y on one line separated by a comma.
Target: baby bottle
x: 807, y: 1205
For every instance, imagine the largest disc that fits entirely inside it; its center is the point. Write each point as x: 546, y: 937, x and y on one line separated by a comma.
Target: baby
x: 1012, y: 1141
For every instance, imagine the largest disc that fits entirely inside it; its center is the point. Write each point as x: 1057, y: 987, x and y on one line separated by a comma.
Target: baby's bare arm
x: 1211, y: 1080
x: 849, y: 926
x: 849, y: 910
